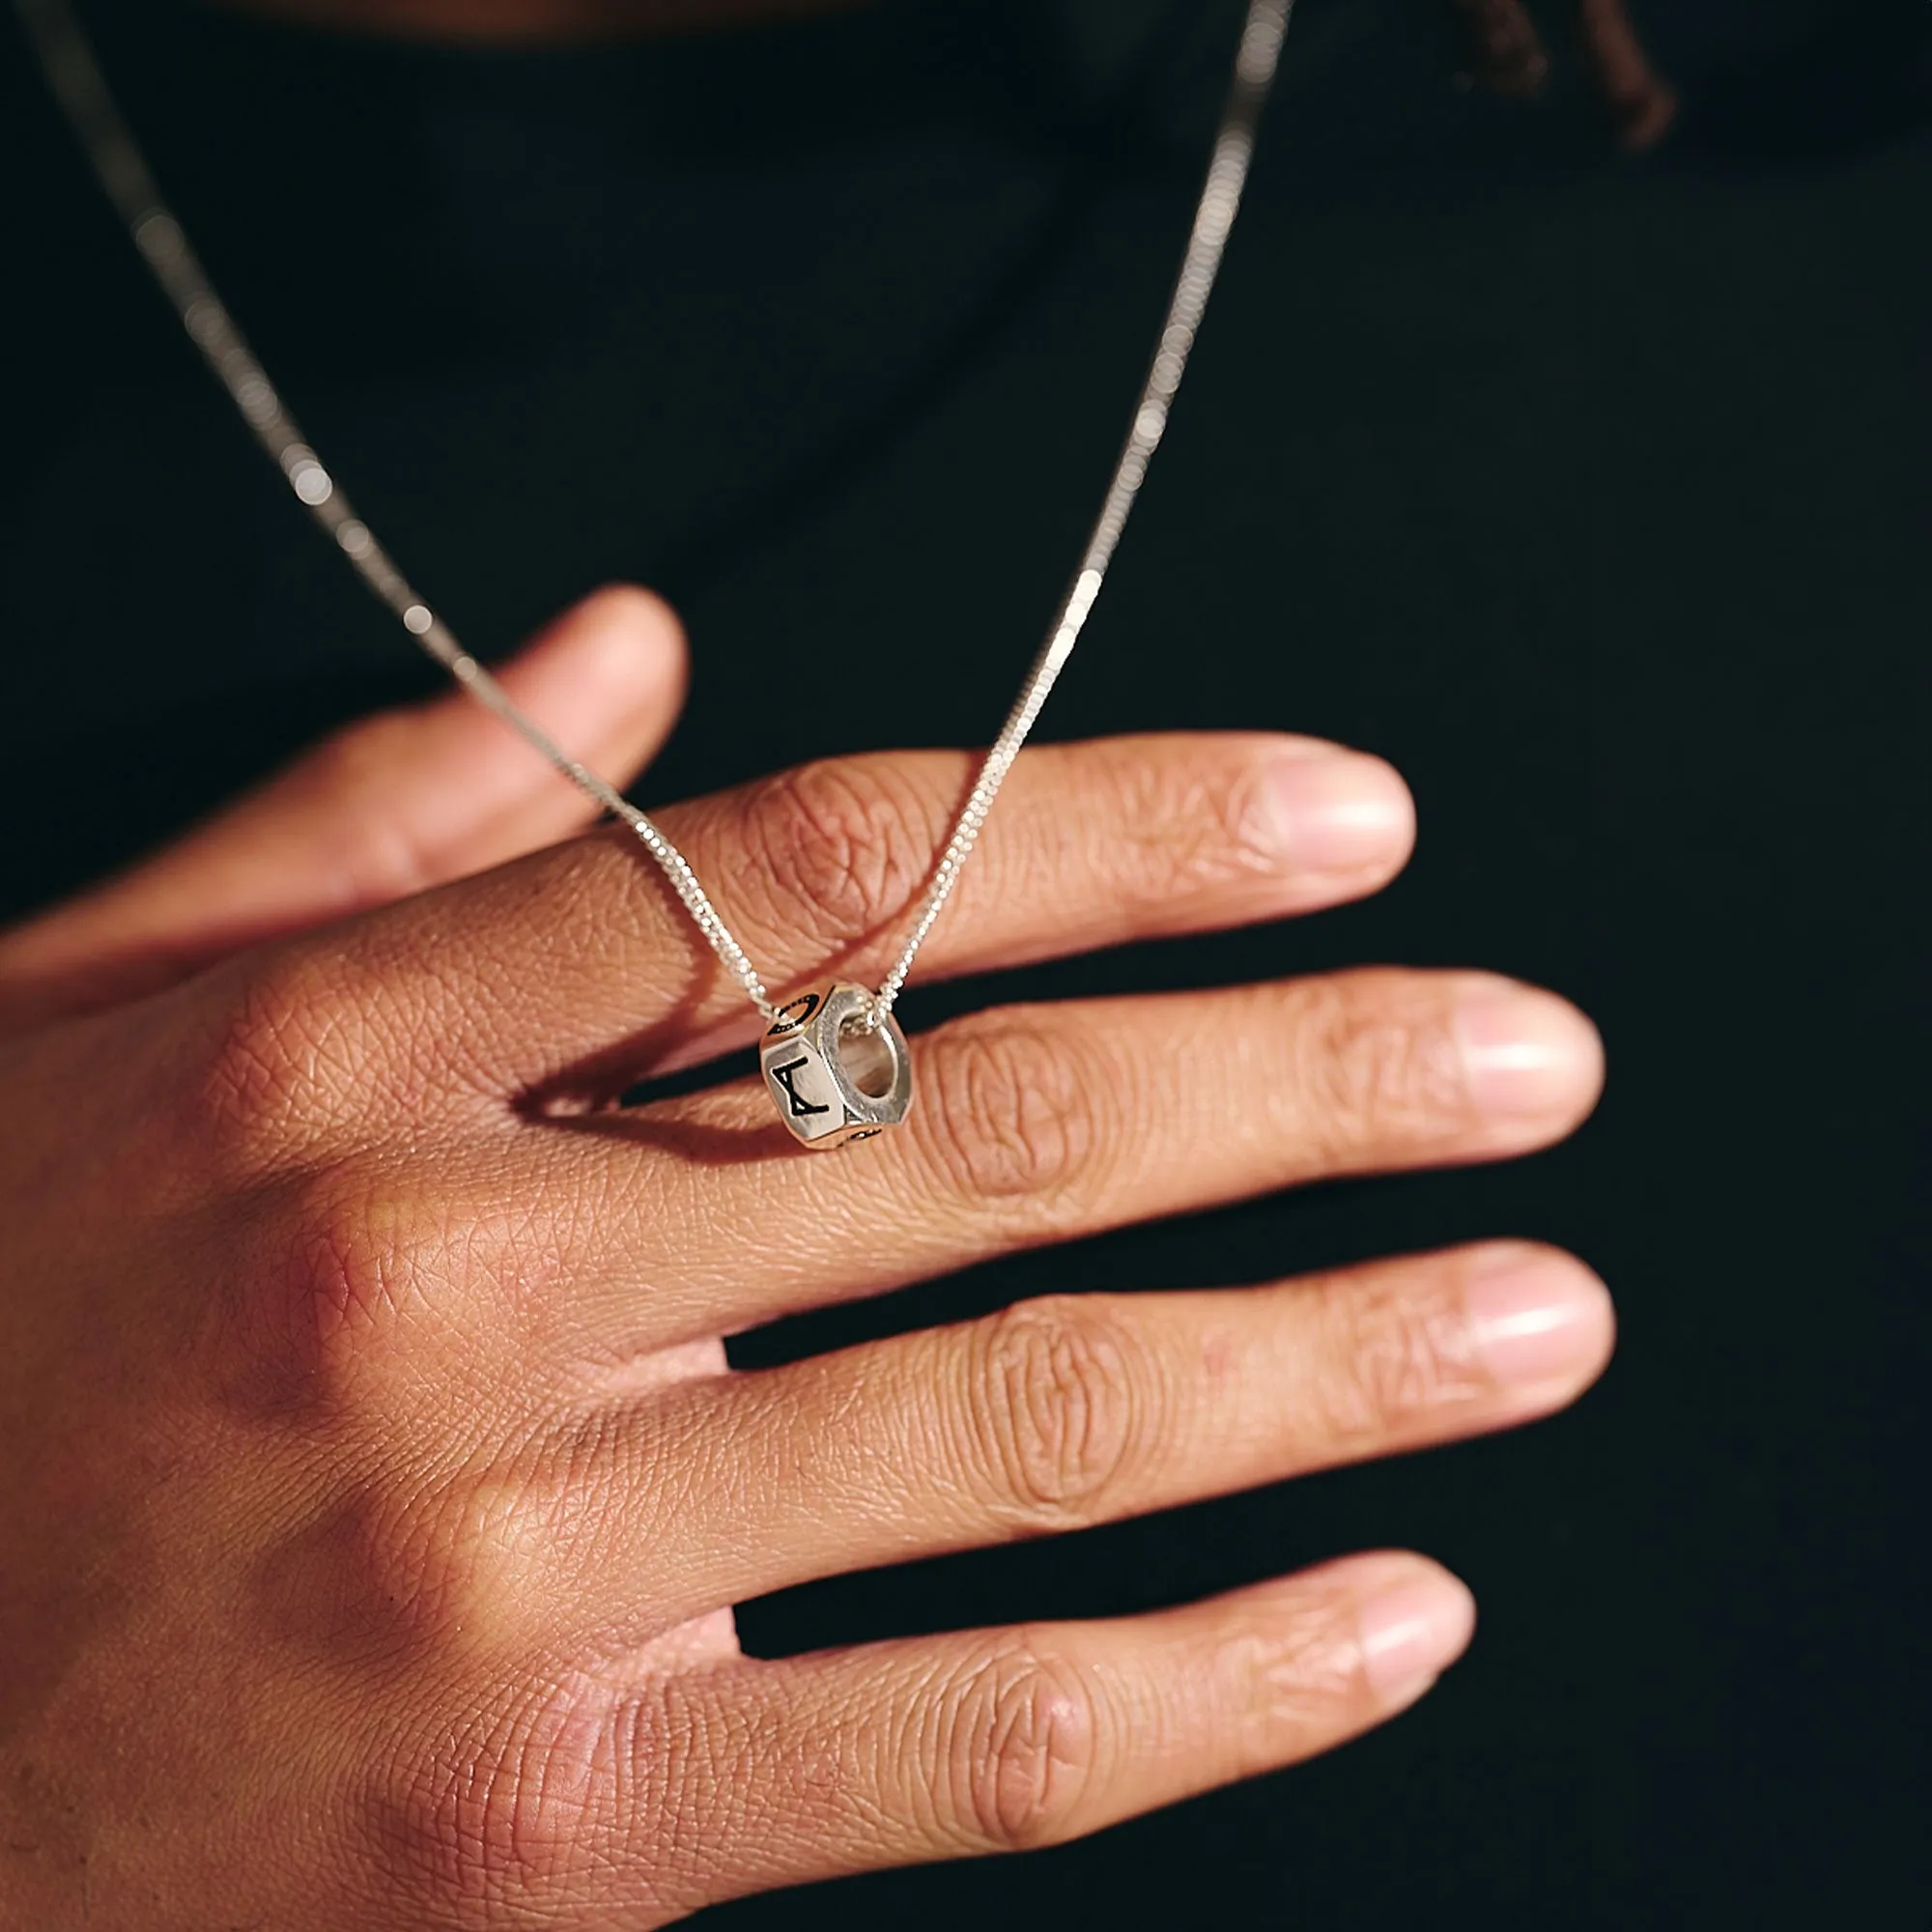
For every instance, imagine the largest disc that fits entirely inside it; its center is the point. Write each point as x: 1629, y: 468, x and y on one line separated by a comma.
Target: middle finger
x: 1045, y: 1124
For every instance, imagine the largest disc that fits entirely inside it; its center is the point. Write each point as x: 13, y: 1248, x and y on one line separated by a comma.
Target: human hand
x: 377, y: 1490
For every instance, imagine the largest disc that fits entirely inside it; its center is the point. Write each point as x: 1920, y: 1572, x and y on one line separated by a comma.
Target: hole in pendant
x: 869, y: 1060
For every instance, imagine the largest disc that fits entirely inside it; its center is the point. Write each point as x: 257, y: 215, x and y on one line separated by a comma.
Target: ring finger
x: 1065, y: 1412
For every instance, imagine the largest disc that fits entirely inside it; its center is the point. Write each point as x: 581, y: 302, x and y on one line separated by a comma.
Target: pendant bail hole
x: 868, y: 1058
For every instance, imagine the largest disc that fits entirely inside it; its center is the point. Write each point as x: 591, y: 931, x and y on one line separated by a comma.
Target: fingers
x: 396, y: 803
x: 1046, y: 1123
x: 816, y: 871
x: 652, y: 1791
x: 1058, y: 1415
x: 1005, y: 1741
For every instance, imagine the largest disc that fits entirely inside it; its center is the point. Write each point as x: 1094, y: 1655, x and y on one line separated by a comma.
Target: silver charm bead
x: 832, y: 1080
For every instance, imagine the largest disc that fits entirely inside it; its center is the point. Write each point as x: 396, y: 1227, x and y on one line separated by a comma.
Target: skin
x: 377, y: 1492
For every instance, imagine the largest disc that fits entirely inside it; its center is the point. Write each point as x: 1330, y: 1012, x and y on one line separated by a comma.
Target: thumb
x: 388, y: 807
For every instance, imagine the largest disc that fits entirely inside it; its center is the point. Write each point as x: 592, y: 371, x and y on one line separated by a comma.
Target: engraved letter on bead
x: 831, y: 1080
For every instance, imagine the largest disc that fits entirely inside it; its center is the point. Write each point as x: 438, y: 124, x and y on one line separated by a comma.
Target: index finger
x: 580, y: 965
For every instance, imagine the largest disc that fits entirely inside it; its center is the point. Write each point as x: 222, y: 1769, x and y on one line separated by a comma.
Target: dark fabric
x: 1593, y: 493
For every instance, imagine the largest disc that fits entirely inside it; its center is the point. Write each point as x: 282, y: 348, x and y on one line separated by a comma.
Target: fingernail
x: 1338, y: 812
x: 1535, y: 1316
x: 1412, y: 1632
x: 1525, y: 1051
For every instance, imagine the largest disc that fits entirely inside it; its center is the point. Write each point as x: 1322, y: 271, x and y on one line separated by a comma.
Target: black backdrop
x: 1592, y: 492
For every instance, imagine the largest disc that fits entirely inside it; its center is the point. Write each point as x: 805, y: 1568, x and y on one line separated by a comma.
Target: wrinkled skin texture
x: 377, y: 1490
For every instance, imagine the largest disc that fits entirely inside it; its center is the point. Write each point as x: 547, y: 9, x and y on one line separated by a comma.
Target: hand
x: 377, y: 1490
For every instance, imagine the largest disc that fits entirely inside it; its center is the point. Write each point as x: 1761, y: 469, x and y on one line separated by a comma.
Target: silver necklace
x: 834, y: 1059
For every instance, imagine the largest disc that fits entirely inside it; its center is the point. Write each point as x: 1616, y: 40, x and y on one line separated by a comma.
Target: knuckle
x: 554, y: 1798
x: 1376, y: 1064
x: 335, y: 1294
x: 1019, y: 1752
x: 1012, y: 1110
x: 351, y: 1264
x: 844, y: 846
x: 504, y: 1809
x: 1197, y: 829
x: 1063, y: 1406
x: 1288, y: 1680
x: 401, y: 1572
x: 1398, y: 1350
x: 277, y: 1066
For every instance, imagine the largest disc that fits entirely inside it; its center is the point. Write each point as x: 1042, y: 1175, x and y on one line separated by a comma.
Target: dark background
x: 1593, y: 493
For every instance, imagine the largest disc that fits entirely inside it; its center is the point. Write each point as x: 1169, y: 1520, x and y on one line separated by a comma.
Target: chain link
x: 75, y: 79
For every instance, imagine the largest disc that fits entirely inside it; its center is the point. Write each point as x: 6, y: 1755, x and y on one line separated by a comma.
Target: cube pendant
x: 832, y: 1082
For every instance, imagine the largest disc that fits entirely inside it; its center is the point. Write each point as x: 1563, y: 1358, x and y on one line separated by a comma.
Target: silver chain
x: 76, y: 78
